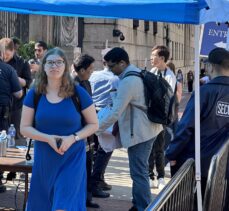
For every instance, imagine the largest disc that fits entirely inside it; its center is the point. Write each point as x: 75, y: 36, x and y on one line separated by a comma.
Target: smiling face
x: 54, y: 67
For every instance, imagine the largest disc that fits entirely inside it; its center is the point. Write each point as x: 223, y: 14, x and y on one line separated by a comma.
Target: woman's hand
x: 52, y: 143
x: 67, y: 142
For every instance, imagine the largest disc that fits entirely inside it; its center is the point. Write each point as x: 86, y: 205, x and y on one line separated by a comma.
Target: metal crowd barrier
x: 216, y: 184
x: 178, y: 194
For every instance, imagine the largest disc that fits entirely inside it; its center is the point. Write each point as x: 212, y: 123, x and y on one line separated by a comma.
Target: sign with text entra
x: 214, y: 35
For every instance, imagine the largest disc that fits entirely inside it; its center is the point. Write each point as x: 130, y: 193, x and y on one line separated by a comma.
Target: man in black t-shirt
x: 82, y: 69
x: 9, y: 86
x: 24, y: 75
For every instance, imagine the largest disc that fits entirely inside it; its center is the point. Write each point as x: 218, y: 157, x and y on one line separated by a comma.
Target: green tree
x: 26, y: 50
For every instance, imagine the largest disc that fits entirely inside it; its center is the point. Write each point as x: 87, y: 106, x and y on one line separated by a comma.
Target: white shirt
x: 169, y: 76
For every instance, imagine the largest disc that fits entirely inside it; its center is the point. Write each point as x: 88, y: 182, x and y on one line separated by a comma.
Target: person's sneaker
x: 161, y: 183
x: 104, y: 186
x: 97, y: 192
x: 152, y: 183
x: 92, y: 204
x: 11, y: 176
x: 133, y: 209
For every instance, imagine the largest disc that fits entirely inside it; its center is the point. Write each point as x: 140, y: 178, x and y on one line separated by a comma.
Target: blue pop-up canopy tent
x: 177, y: 11
x: 174, y: 11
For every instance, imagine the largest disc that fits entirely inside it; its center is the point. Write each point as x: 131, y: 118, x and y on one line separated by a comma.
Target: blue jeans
x: 139, y: 172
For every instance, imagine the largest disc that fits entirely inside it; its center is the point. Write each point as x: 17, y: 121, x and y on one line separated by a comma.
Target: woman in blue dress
x: 59, y: 174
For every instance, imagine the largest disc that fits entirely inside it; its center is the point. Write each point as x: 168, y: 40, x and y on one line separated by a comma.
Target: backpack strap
x: 36, y: 100
x: 140, y: 75
x: 76, y: 101
x: 165, y: 72
x: 133, y: 73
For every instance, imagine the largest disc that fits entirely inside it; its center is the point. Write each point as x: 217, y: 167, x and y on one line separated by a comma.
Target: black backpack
x: 159, y: 96
x: 36, y: 99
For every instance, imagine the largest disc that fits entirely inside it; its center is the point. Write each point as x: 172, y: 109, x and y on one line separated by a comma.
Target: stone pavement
x: 117, y: 174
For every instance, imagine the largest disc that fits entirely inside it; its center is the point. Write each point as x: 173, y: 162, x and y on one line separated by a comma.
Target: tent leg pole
x: 227, y: 45
x: 197, y: 118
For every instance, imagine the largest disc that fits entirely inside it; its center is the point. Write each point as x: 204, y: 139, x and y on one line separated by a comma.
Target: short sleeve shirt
x: 9, y: 83
x: 60, y: 118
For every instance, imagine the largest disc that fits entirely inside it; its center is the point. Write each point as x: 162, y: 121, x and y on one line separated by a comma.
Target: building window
x: 172, y: 50
x: 154, y: 28
x: 135, y: 24
x: 179, y: 57
x: 146, y: 26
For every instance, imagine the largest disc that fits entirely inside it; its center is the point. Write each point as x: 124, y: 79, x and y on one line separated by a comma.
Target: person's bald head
x: 9, y: 48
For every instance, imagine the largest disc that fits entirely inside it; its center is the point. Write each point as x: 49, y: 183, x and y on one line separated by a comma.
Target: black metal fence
x: 178, y: 194
x: 215, y: 195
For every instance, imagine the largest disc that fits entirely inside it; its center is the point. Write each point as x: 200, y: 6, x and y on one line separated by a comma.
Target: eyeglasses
x: 110, y: 66
x: 58, y: 63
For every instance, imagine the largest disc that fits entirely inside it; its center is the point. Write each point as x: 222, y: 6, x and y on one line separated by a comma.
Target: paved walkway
x: 117, y: 174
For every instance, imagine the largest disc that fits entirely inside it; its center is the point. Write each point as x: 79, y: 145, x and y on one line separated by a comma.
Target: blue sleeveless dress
x: 58, y: 182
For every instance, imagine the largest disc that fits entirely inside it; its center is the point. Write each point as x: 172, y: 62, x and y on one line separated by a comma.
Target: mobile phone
x: 58, y: 142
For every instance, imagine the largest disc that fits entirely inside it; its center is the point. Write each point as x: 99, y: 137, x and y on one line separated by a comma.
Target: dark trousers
x: 157, y: 156
x: 4, y: 118
x: 99, y: 167
x: 89, y: 160
x: 190, y: 86
x: 175, y: 168
x: 4, y: 123
x: 226, y: 204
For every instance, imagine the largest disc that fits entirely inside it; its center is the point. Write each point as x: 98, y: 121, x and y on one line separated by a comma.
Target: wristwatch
x: 77, y: 138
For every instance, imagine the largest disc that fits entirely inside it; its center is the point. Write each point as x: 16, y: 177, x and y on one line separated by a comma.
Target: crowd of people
x: 67, y: 175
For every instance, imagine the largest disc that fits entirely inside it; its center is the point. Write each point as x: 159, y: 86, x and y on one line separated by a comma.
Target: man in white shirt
x: 159, y: 57
x: 102, y: 83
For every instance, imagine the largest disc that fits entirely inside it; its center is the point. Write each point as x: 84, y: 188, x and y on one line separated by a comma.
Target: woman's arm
x: 91, y: 120
x: 90, y: 117
x: 27, y: 129
x: 179, y: 92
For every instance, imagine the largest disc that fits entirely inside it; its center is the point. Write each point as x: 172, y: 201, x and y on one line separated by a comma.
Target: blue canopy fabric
x: 175, y: 11
x: 218, y: 12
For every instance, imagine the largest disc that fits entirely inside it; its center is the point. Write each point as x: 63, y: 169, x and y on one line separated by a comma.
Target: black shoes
x: 99, y: 193
x: 99, y: 188
x: 104, y: 186
x: 92, y: 204
x: 133, y: 209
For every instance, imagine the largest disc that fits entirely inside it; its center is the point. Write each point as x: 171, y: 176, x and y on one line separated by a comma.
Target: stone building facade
x: 90, y: 36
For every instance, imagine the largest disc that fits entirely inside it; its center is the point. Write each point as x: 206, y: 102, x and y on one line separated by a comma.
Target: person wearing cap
x: 214, y: 119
